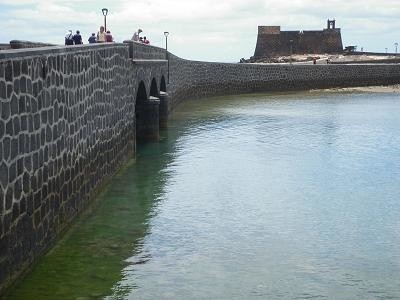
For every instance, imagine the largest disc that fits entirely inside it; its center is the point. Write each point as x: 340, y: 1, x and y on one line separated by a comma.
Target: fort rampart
x: 68, y: 122
x: 271, y: 41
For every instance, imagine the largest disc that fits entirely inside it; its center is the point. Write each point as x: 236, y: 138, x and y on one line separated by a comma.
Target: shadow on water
x: 87, y: 261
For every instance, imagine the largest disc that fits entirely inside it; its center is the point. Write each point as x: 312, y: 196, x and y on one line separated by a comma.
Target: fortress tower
x: 271, y: 41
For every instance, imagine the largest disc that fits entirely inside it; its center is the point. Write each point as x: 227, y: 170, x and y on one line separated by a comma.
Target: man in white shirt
x: 135, y: 36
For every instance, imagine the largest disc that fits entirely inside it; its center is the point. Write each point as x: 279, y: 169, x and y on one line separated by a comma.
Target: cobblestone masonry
x: 68, y: 122
x: 193, y: 79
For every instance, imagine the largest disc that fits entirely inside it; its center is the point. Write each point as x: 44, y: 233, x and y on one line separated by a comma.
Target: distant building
x: 271, y: 41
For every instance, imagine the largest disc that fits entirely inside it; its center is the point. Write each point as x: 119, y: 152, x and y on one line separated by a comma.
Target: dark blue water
x: 258, y: 196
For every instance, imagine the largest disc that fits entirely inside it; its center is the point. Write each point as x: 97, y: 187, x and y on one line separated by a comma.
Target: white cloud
x: 206, y: 30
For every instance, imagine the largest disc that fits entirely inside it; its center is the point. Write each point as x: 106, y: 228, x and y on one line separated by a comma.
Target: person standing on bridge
x: 77, y: 38
x: 92, y: 39
x: 109, y: 37
x: 135, y: 36
x: 101, y: 35
x: 69, y: 38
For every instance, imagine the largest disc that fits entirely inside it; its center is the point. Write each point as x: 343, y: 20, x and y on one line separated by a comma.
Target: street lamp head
x: 166, y: 33
x: 104, y: 11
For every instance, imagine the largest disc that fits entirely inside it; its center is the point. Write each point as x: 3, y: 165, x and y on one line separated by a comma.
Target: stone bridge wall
x: 68, y: 122
x: 194, y: 79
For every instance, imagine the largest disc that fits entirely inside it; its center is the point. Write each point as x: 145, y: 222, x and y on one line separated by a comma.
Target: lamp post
x: 166, y: 33
x: 105, y: 12
x: 395, y: 46
x: 386, y: 50
x: 291, y: 50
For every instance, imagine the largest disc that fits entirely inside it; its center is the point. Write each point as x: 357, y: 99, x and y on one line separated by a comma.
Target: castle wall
x: 305, y: 42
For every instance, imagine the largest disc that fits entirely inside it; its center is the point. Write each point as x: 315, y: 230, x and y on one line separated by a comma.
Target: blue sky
x: 205, y: 29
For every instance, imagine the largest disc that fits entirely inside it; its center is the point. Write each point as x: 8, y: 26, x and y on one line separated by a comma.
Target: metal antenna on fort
x: 166, y: 33
x: 395, y: 47
x: 105, y: 12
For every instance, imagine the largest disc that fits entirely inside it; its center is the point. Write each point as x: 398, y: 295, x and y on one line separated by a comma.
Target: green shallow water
x: 280, y: 196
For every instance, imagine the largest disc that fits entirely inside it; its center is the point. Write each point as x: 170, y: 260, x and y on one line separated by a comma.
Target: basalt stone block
x: 33, y: 145
x: 20, y: 166
x: 2, y: 129
x: 6, y: 147
x: 24, y: 123
x: 50, y: 116
x: 3, y: 90
x: 28, y: 163
x: 30, y: 205
x: 43, y: 116
x: 9, y: 198
x: 16, y: 125
x: 24, y: 67
x: 21, y: 143
x: 2, y: 197
x: 8, y: 71
x: 40, y: 158
x: 3, y: 175
x: 35, y: 89
x: 14, y: 105
x: 9, y: 128
x: 22, y: 84
x: 22, y: 104
x: 4, y: 247
x: 33, y: 106
x: 14, y: 148
x: 37, y: 199
x: 12, y: 172
x: 10, y: 89
x: 29, y: 88
x: 17, y: 68
x: 36, y: 121
x: 26, y: 182
x: 30, y: 123
x: 16, y: 86
x: 35, y: 160
x: 18, y: 189
x: 5, y: 110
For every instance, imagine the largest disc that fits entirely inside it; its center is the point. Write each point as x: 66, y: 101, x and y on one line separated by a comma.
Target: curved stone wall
x: 194, y: 79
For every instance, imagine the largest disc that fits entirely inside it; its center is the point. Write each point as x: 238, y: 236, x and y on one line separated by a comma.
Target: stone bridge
x: 70, y: 118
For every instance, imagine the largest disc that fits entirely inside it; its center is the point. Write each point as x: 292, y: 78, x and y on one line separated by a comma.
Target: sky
x: 207, y: 30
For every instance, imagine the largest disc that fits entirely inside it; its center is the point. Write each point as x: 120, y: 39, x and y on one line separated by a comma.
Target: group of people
x: 73, y: 39
x: 101, y: 37
x: 137, y: 38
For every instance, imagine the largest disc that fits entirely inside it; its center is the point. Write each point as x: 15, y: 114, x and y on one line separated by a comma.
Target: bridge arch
x: 141, y: 95
x: 146, y: 114
x: 163, y: 86
x: 154, y: 88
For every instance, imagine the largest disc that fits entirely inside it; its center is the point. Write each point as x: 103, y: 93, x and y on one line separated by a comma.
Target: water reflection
x: 87, y: 261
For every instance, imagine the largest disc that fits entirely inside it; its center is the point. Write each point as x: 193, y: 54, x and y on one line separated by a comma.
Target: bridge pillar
x: 147, y: 120
x: 164, y: 107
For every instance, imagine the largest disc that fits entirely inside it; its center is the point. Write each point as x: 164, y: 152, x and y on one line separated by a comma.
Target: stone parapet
x: 67, y: 124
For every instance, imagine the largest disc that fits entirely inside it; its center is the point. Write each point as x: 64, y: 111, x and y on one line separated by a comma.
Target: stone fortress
x: 271, y: 41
